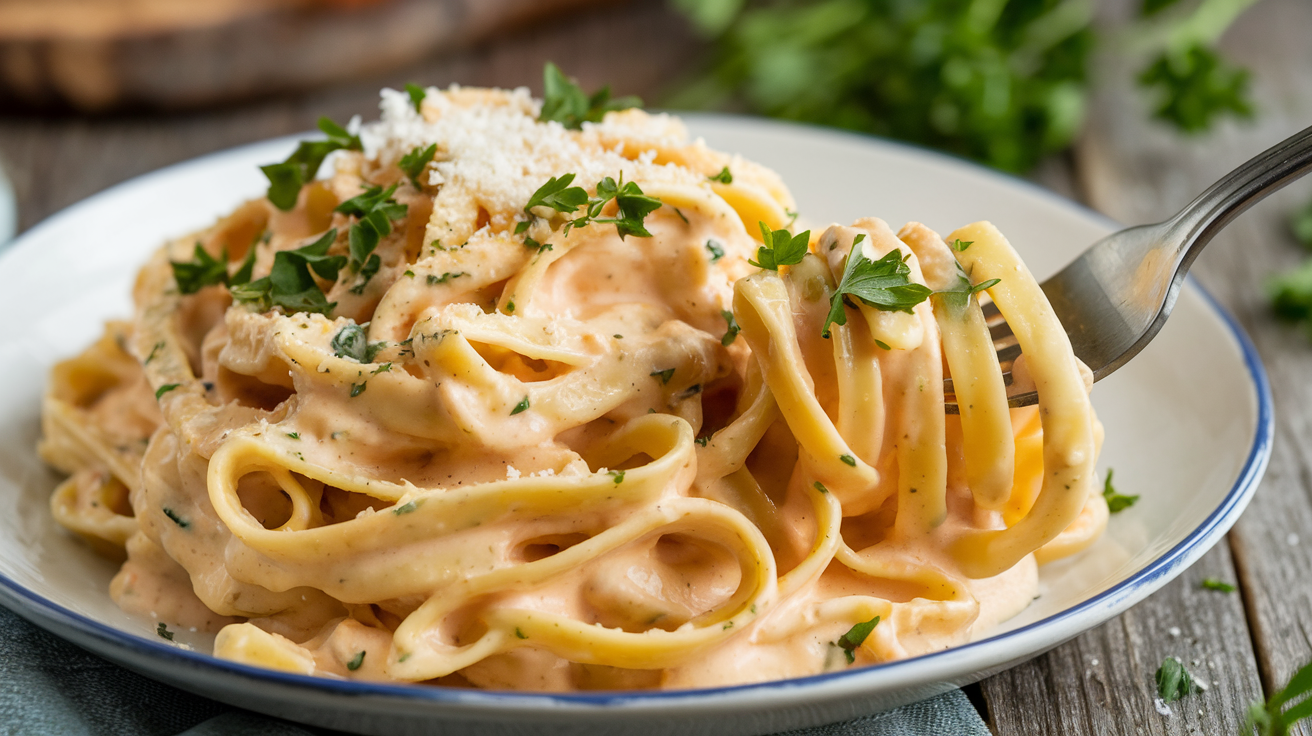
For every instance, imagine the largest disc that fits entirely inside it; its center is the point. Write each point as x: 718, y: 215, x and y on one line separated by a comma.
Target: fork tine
x: 1007, y: 348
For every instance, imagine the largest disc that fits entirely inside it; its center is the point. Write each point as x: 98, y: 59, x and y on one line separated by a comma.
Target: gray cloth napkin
x: 49, y: 687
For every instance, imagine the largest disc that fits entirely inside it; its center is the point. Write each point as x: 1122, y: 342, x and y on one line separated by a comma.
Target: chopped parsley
x: 374, y: 210
x: 557, y: 194
x: 175, y: 518
x: 163, y: 631
x: 820, y: 487
x: 565, y: 102
x: 202, y: 270
x: 165, y: 389
x: 848, y: 459
x: 1276, y: 716
x: 406, y: 507
x: 287, y: 178
x: 664, y: 375
x: 434, y: 280
x: 384, y: 368
x: 520, y: 407
x: 960, y: 246
x: 294, y: 435
x: 883, y: 284
x: 724, y: 177
x: 290, y: 284
x: 1219, y: 586
x: 356, y: 661
x: 730, y: 334
x: 414, y: 163
x: 1173, y: 680
x: 715, y: 249
x: 617, y: 475
x: 883, y: 344
x: 689, y: 392
x: 519, y: 634
x: 703, y: 440
x: 417, y: 95
x: 351, y: 342
x: 855, y: 637
x: 781, y: 248
x: 1115, y: 501
x: 957, y: 296
x: 358, y: 388
x: 153, y: 352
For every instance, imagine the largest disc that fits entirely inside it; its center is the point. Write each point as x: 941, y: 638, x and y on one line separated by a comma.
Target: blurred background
x: 1129, y: 106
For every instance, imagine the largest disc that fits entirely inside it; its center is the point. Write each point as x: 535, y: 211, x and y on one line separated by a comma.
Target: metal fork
x: 1116, y: 296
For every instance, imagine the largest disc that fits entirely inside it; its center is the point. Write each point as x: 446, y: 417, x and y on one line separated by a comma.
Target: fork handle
x: 1196, y: 225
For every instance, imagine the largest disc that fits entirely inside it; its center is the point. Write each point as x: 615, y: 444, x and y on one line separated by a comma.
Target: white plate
x: 1188, y: 428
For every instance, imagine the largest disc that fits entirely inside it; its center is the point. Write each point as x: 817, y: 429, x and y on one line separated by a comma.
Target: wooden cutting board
x: 96, y: 55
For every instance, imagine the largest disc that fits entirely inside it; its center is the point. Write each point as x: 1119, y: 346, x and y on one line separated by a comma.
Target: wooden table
x: 1242, y: 644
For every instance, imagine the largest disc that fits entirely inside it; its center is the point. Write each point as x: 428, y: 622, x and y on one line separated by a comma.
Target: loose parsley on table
x: 1284, y: 708
x: 566, y: 103
x: 1219, y: 586
x: 883, y: 284
x: 1173, y: 680
x: 1116, y: 503
x: 300, y: 168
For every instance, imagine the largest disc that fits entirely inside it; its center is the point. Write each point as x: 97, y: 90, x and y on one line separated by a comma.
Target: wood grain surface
x: 1241, y: 644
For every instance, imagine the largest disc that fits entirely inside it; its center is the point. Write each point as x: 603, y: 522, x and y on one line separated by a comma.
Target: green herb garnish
x: 519, y: 634
x: 290, y: 284
x: 848, y: 459
x: 957, y: 296
x: 882, y: 284
x: 434, y: 280
x: 375, y: 210
x: 521, y: 406
x: 1173, y: 680
x: 716, y: 251
x: 820, y: 487
x: 358, y: 388
x: 165, y: 389
x: 413, y: 163
x: 351, y: 342
x: 293, y: 435
x: 565, y: 102
x: 355, y: 662
x: 417, y: 95
x: 781, y: 248
x: 724, y: 177
x: 406, y: 507
x: 855, y: 637
x: 287, y: 178
x: 730, y: 334
x: 163, y: 630
x: 153, y: 352
x: 173, y: 515
x: 617, y: 475
x: 201, y: 271
x: 1115, y: 501
x: 664, y: 375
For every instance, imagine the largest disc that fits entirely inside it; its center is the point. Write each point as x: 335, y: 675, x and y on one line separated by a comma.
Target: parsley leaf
x: 848, y: 460
x: 855, y: 637
x: 730, y: 334
x: 1196, y: 86
x: 664, y: 375
x: 357, y: 660
x: 165, y: 389
x: 1219, y: 586
x: 201, y: 271
x: 417, y: 95
x: 957, y: 296
x: 163, y: 630
x: 413, y: 163
x: 1277, y: 715
x: 287, y: 178
x: 520, y: 407
x: 882, y: 284
x: 290, y: 284
x: 715, y: 249
x: 634, y: 206
x: 565, y: 102
x: 176, y: 518
x: 558, y: 195
x: 374, y: 211
x: 1116, y: 503
x: 1173, y: 680
x: 617, y: 476
x: 351, y: 342
x: 724, y: 177
x: 781, y: 248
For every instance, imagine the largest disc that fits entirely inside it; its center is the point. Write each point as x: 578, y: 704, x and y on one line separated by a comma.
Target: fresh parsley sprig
x: 414, y: 163
x: 883, y: 284
x: 632, y: 206
x: 290, y: 284
x: 1284, y: 708
x: 781, y: 248
x: 374, y: 211
x: 566, y: 103
x: 287, y: 178
x: 202, y: 270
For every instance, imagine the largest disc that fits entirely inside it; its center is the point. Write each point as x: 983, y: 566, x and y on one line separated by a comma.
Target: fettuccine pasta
x: 503, y: 404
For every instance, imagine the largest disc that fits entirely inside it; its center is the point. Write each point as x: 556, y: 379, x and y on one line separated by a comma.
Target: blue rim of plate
x: 40, y: 610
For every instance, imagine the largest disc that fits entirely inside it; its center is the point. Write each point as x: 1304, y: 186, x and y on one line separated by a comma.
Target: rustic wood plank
x: 637, y: 47
x: 1147, y: 174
